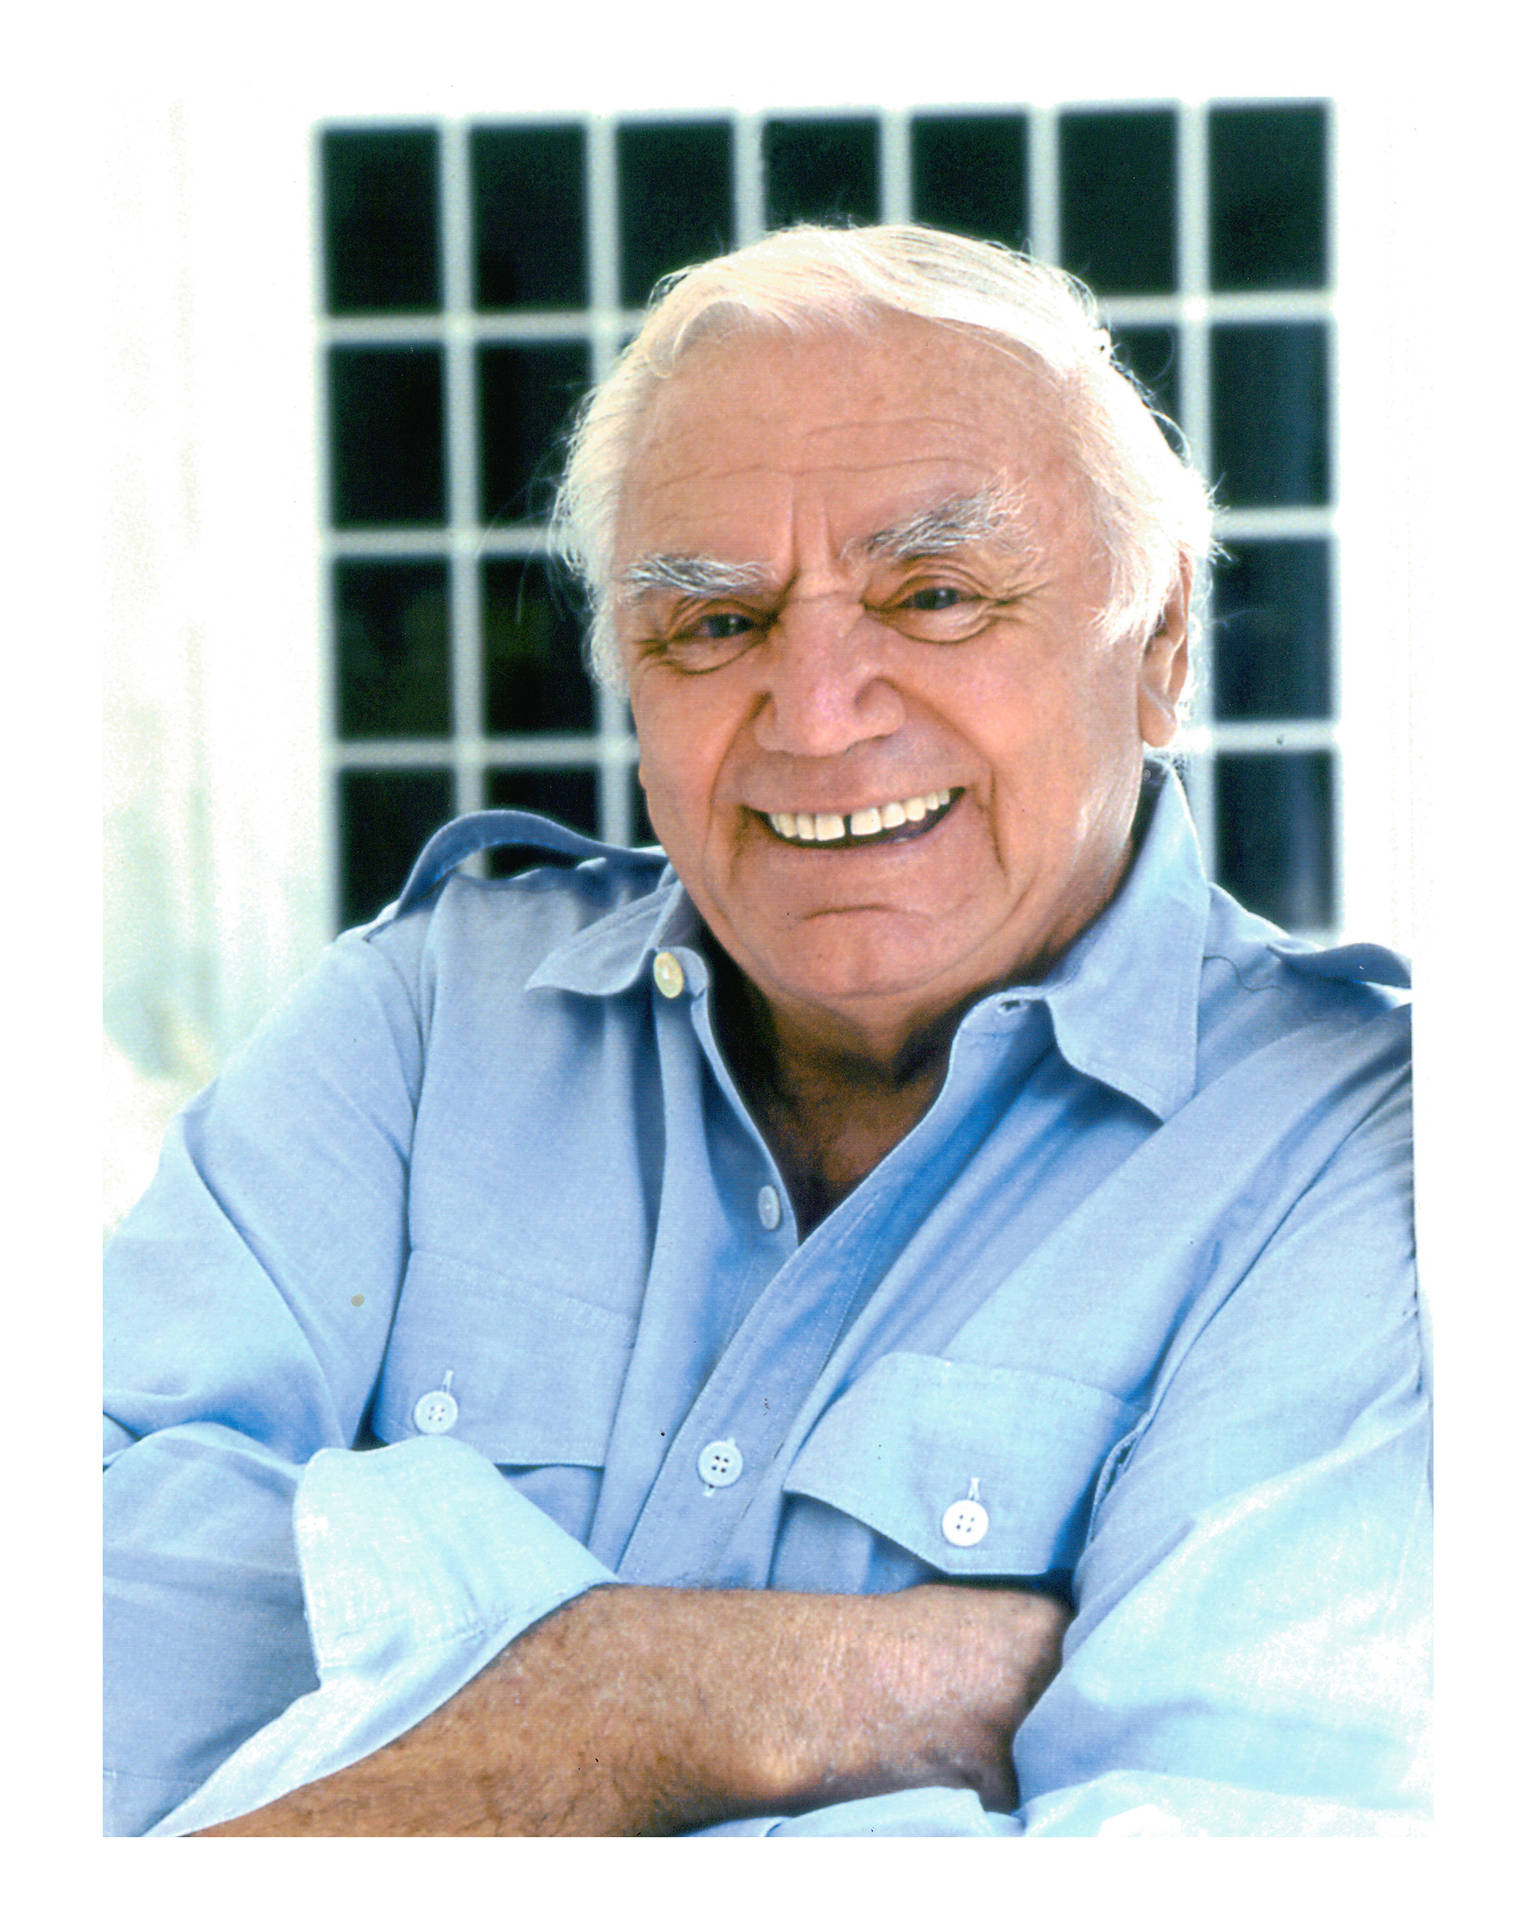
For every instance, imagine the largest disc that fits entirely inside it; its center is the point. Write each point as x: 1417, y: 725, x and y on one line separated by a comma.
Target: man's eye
x: 940, y: 612
x: 698, y: 643
x: 718, y: 626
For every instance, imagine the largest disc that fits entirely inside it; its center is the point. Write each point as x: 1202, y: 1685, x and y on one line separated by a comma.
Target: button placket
x: 756, y: 1394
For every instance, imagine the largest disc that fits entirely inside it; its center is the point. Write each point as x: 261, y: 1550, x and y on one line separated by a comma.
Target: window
x: 477, y: 277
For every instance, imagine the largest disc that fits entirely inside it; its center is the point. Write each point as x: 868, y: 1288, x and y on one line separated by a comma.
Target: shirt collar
x: 1123, y: 998
x: 611, y: 955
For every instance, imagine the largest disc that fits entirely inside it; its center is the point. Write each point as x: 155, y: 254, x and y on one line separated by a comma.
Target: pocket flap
x: 536, y: 1374
x: 907, y: 1440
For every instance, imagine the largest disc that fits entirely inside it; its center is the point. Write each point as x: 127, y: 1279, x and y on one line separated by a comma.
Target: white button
x: 768, y: 1208
x: 964, y: 1522
x: 435, y: 1412
x: 667, y: 974
x: 721, y: 1463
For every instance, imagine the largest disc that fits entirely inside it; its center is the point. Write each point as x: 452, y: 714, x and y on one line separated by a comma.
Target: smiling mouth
x: 868, y: 826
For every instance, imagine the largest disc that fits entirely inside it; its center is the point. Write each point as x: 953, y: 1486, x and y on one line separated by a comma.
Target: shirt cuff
x: 420, y: 1562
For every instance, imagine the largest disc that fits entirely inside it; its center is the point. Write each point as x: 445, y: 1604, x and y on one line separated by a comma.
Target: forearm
x: 653, y: 1710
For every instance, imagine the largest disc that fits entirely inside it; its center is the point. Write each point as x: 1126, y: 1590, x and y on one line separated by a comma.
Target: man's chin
x: 856, y: 959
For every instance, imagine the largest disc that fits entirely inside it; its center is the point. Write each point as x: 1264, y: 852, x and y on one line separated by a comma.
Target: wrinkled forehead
x: 870, y: 425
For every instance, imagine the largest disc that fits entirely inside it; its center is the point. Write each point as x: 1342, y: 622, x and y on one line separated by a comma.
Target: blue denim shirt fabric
x: 1141, y: 1280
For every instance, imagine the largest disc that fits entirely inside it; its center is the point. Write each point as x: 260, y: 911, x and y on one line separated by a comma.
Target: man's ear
x: 1164, y: 668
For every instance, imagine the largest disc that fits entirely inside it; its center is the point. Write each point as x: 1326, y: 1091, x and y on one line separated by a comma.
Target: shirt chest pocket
x: 524, y: 1373
x: 976, y: 1471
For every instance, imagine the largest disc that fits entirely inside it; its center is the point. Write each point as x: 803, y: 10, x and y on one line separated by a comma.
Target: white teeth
x: 862, y: 823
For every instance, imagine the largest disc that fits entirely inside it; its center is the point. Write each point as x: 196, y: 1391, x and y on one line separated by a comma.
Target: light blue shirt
x: 1139, y: 1284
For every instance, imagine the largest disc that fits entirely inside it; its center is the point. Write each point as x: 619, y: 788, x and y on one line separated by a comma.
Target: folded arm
x: 653, y: 1710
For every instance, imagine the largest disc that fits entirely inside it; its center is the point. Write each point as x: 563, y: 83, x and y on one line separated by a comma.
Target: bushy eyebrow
x: 946, y: 525
x: 689, y: 573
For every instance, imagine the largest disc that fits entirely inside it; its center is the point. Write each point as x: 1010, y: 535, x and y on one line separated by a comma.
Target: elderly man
x: 893, y: 1314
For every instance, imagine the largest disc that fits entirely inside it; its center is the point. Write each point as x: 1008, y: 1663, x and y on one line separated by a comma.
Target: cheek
x: 1061, y: 753
x: 1075, y: 701
x: 678, y: 753
x: 1026, y: 722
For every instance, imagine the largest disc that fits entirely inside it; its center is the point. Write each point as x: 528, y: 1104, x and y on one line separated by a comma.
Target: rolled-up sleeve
x: 1251, y: 1651
x: 277, y: 1605
x: 419, y: 1563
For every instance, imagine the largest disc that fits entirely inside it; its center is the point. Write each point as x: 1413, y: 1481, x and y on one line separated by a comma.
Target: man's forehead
x: 892, y: 436
x: 830, y: 391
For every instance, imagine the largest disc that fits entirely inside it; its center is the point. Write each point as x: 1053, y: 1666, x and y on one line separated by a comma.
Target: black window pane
x: 391, y: 648
x: 1117, y: 199
x: 532, y: 636
x: 969, y: 174
x: 1267, y: 196
x: 529, y: 193
x: 821, y: 170
x: 1271, y: 631
x: 1270, y: 415
x: 566, y: 794
x: 675, y: 200
x: 526, y: 395
x: 384, y: 817
x: 379, y: 220
x: 1152, y: 355
x: 1275, y: 835
x: 386, y: 442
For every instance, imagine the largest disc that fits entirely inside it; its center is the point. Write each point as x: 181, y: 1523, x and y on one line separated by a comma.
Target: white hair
x: 1151, y: 510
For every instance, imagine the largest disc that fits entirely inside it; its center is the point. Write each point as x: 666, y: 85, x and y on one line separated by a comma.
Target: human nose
x: 825, y: 686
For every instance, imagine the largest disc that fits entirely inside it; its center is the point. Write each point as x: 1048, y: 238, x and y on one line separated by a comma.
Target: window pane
x: 1270, y: 415
x: 379, y: 195
x: 1267, y: 196
x: 386, y: 446
x: 821, y: 170
x: 529, y: 196
x: 1117, y: 187
x: 532, y: 635
x: 1152, y: 354
x: 1275, y: 835
x: 675, y: 200
x: 383, y: 820
x: 526, y: 395
x: 1271, y: 631
x: 969, y: 174
x: 566, y: 794
x: 391, y: 649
